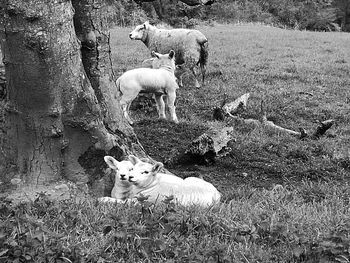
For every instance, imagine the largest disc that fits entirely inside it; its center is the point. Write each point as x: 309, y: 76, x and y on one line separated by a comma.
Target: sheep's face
x: 122, y: 168
x: 143, y: 173
x: 138, y: 32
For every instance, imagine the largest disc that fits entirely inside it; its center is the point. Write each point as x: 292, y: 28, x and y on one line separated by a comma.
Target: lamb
x: 154, y: 63
x: 149, y: 181
x: 123, y: 189
x: 190, y: 46
x: 161, y: 81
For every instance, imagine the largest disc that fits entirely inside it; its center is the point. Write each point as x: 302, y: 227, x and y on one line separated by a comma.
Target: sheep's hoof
x: 197, y: 85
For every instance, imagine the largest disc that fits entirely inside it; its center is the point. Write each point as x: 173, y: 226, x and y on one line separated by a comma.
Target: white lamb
x: 190, y: 46
x: 123, y: 189
x: 148, y: 181
x: 161, y: 81
x: 154, y: 63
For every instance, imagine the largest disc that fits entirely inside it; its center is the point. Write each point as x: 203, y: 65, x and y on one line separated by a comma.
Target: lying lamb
x: 161, y: 81
x: 190, y: 46
x: 148, y: 181
x: 122, y: 190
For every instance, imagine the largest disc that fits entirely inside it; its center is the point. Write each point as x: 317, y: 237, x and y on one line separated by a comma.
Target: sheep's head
x: 122, y: 169
x: 143, y: 173
x: 164, y: 60
x: 139, y: 32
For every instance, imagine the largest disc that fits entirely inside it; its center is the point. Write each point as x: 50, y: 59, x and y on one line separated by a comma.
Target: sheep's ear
x: 145, y: 24
x: 133, y: 159
x: 154, y: 54
x: 171, y: 54
x: 157, y: 167
x: 111, y: 162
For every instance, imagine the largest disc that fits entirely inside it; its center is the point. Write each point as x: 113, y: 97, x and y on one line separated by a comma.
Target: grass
x: 278, y: 225
x: 284, y: 199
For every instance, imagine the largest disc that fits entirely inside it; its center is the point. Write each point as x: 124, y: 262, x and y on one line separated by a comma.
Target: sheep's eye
x: 145, y: 172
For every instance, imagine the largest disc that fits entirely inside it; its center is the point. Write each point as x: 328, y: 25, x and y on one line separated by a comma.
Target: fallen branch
x: 213, y: 143
x: 236, y: 106
x: 240, y: 103
x: 209, y: 145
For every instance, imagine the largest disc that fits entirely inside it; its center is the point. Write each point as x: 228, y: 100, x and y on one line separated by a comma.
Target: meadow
x: 284, y: 199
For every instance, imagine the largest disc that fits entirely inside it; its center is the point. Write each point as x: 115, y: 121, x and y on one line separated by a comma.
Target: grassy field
x: 303, y: 77
x: 284, y: 199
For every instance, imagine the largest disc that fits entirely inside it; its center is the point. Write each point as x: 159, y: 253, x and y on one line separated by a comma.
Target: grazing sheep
x: 148, y: 181
x: 123, y: 189
x: 190, y: 46
x: 161, y: 81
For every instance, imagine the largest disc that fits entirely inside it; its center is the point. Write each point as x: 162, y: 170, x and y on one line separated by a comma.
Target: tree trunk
x: 60, y: 120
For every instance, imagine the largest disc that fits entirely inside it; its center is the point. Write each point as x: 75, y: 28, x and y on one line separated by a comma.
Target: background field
x: 284, y: 199
x: 303, y: 77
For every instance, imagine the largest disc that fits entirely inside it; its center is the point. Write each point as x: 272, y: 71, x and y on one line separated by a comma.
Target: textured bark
x: 92, y: 28
x: 59, y: 124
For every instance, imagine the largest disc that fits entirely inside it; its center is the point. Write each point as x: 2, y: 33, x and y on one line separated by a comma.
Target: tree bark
x: 61, y: 120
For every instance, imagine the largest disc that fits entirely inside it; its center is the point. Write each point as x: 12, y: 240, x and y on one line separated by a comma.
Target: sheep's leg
x: 125, y: 107
x: 171, y: 105
x: 180, y: 82
x: 203, y: 71
x: 160, y: 106
x: 191, y: 58
x: 197, y: 85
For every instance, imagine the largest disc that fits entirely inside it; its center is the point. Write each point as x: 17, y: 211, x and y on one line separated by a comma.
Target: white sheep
x: 161, y: 81
x: 122, y: 190
x: 148, y: 181
x: 190, y: 46
x: 154, y: 63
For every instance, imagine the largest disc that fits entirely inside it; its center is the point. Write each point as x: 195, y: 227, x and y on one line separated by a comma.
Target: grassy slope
x: 306, y: 219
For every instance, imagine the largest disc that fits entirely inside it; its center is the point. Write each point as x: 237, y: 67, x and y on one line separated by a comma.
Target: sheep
x: 154, y: 63
x: 190, y: 46
x: 150, y: 182
x: 122, y: 189
x: 161, y: 81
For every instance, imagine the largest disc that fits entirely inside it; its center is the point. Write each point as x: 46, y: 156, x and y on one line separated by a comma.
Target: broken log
x: 208, y: 146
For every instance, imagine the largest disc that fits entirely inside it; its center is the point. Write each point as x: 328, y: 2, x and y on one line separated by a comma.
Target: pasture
x: 284, y: 199
x: 302, y: 78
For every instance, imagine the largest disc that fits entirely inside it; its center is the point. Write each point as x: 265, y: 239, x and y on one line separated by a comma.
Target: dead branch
x: 237, y: 105
x: 229, y: 109
x: 212, y: 143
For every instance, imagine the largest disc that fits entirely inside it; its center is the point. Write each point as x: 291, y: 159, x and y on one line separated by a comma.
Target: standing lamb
x: 154, y: 63
x: 160, y: 82
x: 190, y: 46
